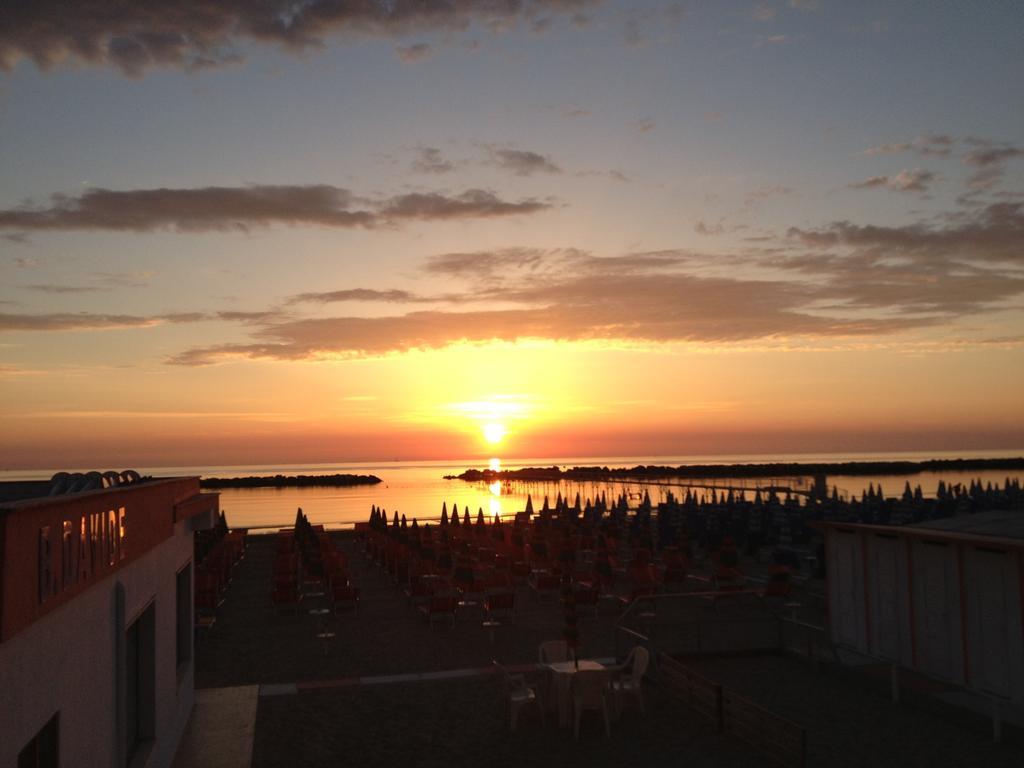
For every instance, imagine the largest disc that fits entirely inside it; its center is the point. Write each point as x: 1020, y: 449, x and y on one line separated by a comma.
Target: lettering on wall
x: 89, y: 543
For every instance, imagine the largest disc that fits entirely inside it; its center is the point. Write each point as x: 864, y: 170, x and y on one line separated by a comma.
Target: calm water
x: 417, y: 488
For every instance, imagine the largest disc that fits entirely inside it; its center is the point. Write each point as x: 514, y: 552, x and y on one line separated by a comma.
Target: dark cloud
x: 522, y: 162
x: 472, y: 204
x: 430, y: 160
x: 198, y: 34
x: 359, y: 294
x: 993, y: 234
x: 239, y: 208
x: 87, y: 321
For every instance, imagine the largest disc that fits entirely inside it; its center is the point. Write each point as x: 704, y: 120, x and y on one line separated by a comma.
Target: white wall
x: 65, y: 661
x: 995, y: 642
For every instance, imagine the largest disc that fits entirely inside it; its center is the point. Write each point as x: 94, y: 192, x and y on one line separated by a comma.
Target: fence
x: 777, y: 738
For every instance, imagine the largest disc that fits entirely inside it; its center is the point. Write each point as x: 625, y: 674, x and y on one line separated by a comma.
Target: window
x: 43, y: 750
x: 184, y: 597
x: 140, y: 682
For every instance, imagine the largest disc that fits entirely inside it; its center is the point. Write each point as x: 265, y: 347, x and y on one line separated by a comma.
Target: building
x: 96, y: 619
x: 942, y: 597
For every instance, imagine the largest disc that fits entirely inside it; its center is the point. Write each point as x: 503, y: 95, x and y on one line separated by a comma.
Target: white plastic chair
x: 518, y: 695
x: 589, y: 691
x: 628, y: 684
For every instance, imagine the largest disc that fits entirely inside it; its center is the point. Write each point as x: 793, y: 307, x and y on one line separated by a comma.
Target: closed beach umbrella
x: 529, y: 505
x: 444, y: 513
x: 455, y: 515
x: 465, y: 516
x: 479, y: 516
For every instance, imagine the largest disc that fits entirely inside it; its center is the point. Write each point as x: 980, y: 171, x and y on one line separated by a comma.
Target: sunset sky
x: 277, y: 232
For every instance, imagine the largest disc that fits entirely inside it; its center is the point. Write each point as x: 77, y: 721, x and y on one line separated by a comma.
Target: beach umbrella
x: 298, y: 518
x: 404, y: 524
x: 465, y: 516
x: 546, y: 508
x: 529, y: 505
x: 444, y: 514
x: 479, y: 515
x: 415, y: 525
x: 454, y: 520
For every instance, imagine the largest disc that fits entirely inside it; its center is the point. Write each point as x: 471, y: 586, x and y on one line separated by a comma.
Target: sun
x: 494, y: 432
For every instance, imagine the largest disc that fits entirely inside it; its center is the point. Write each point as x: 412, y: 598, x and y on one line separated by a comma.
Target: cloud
x: 430, y: 160
x: 916, y: 180
x: 701, y: 228
x: 993, y: 234
x: 522, y: 162
x: 763, y: 12
x: 239, y: 208
x: 413, y: 53
x: 990, y: 160
x: 87, y: 321
x: 927, y: 144
x: 645, y: 125
x: 358, y: 294
x: 654, y: 297
x: 762, y: 193
x: 43, y: 288
x: 196, y: 34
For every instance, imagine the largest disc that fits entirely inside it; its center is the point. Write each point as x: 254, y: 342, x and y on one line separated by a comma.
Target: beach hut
x: 942, y: 597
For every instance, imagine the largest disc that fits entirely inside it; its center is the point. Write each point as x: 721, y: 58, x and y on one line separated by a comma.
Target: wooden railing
x: 777, y: 738
x: 694, y: 690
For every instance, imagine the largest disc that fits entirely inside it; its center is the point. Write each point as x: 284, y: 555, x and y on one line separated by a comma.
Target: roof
x: 1003, y: 528
x: 1004, y: 523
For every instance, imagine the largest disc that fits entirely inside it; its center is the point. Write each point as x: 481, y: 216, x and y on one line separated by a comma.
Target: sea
x: 417, y: 489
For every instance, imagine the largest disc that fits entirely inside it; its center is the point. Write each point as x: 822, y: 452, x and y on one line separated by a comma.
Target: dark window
x: 43, y: 750
x: 140, y: 683
x: 184, y: 596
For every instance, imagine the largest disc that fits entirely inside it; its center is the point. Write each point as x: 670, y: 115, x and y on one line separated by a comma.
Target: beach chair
x: 286, y: 600
x: 440, y: 607
x: 545, y: 585
x: 501, y: 603
x: 345, y: 596
x: 517, y: 694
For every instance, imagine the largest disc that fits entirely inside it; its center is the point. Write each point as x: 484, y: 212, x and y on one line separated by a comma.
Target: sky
x: 329, y: 231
